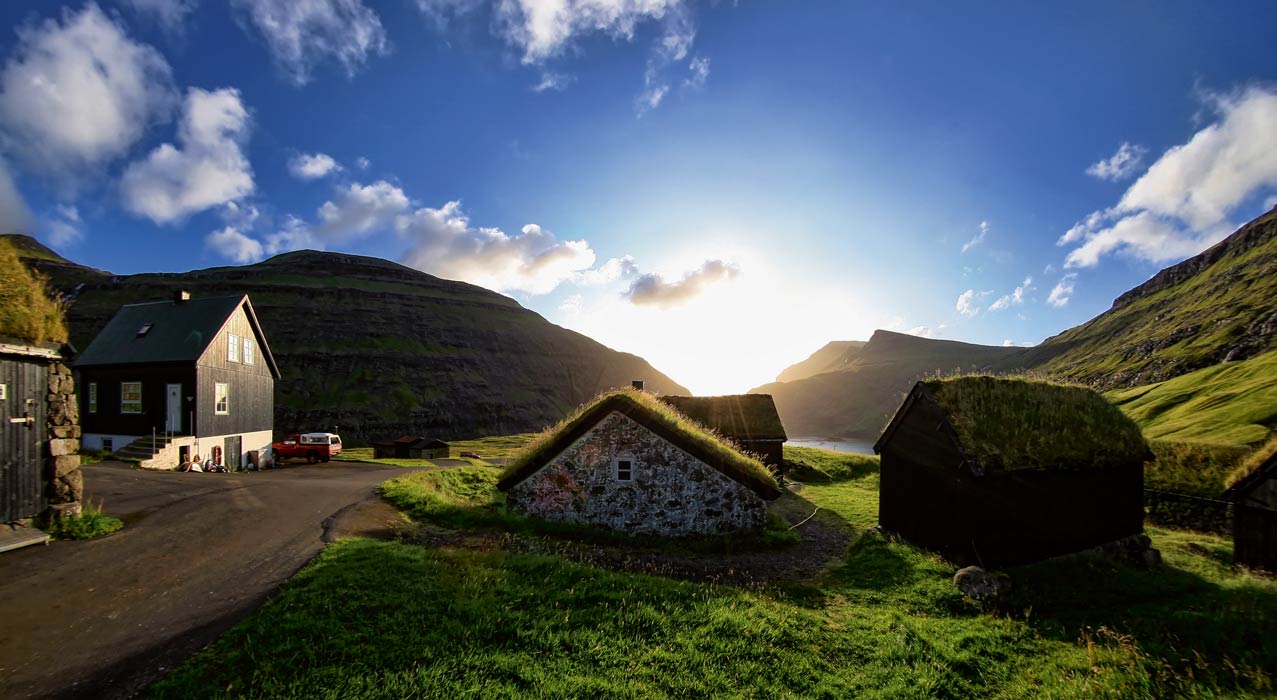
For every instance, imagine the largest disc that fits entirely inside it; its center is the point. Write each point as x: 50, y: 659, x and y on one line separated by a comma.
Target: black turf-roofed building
x: 1254, y: 498
x: 749, y: 420
x: 197, y: 374
x: 409, y: 447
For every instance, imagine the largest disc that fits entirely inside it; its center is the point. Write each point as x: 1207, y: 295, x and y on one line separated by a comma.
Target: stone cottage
x: 631, y: 464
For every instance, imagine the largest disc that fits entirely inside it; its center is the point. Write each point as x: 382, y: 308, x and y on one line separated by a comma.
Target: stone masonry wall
x: 62, y: 464
x: 672, y: 493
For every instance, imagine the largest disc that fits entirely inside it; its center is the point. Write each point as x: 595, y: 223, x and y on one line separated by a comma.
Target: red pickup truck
x: 314, y: 447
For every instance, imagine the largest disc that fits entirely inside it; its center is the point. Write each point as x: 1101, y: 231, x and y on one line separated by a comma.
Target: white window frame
x: 249, y: 356
x: 124, y: 402
x: 232, y: 347
x: 616, y: 467
x: 93, y: 397
x: 221, y: 395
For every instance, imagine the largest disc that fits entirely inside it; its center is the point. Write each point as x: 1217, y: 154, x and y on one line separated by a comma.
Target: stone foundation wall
x: 671, y: 493
x: 62, y: 463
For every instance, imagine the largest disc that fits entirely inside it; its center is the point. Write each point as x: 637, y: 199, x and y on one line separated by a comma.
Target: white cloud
x: 64, y: 228
x: 978, y: 238
x: 362, y: 163
x: 572, y: 304
x: 676, y: 40
x: 441, y: 11
x: 311, y: 166
x: 967, y: 305
x: 1015, y: 298
x: 15, y: 217
x: 361, y: 209
x: 241, y: 216
x: 207, y: 167
x: 303, y: 33
x: 1120, y: 165
x: 651, y: 289
x: 293, y: 235
x: 1062, y: 291
x: 533, y: 261
x: 1008, y: 343
x: 553, y: 81
x: 544, y: 28
x: 920, y: 331
x: 699, y: 68
x: 78, y: 93
x: 1182, y: 203
x: 233, y: 245
x: 170, y: 14
x: 610, y: 271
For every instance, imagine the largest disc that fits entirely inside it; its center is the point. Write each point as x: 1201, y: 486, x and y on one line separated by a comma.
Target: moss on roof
x: 1252, y: 462
x: 1016, y: 423
x: 28, y: 308
x: 691, y: 436
x: 739, y: 417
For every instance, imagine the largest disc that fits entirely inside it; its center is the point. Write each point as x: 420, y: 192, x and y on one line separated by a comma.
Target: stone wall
x: 671, y: 493
x: 62, y: 464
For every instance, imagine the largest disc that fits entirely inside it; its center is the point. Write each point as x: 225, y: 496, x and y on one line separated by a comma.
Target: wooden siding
x: 1255, y: 537
x: 155, y: 379
x: 252, y: 402
x: 216, y: 353
x: 22, y: 448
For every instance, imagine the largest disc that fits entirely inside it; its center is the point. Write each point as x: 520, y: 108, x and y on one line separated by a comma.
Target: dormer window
x: 146, y: 328
x: 623, y: 468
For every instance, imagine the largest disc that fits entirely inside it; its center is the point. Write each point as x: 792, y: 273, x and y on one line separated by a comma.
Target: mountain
x: 834, y: 356
x: 858, y: 398
x: 379, y: 349
x: 1217, y: 306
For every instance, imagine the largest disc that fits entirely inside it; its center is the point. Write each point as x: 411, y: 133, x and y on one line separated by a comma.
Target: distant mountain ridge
x: 834, y: 356
x: 380, y: 349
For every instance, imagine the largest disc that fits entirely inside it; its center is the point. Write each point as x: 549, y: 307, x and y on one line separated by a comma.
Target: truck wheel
x: 323, y: 459
x: 312, y: 457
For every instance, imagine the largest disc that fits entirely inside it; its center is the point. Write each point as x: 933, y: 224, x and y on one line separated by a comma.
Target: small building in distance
x: 999, y: 472
x: 408, y: 447
x: 197, y: 374
x: 632, y: 464
x: 749, y: 420
x: 1254, y: 497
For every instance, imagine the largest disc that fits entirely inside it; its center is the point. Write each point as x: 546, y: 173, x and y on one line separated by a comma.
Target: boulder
x: 978, y: 584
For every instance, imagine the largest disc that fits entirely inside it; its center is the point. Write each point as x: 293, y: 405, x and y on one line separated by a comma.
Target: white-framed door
x: 173, y: 423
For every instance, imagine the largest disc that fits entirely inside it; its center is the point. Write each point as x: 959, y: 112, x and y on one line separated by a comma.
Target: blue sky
x: 718, y: 187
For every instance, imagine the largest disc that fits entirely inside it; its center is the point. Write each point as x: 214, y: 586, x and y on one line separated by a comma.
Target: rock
x: 64, y: 464
x: 65, y: 431
x: 978, y: 584
x: 68, y: 488
x: 65, y: 510
x: 1152, y: 557
x: 64, y: 446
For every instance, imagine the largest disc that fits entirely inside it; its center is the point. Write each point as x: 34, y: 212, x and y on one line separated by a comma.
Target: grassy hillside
x: 382, y: 350
x: 1234, y: 403
x: 29, y: 310
x: 859, y: 399
x: 1214, y: 306
x: 834, y: 356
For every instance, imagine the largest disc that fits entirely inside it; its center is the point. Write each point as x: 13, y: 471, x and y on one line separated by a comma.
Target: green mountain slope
x: 834, y: 356
x: 858, y: 399
x: 379, y: 349
x: 1214, y: 307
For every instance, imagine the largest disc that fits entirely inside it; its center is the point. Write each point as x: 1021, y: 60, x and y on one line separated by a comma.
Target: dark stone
x: 978, y: 584
x: 68, y: 488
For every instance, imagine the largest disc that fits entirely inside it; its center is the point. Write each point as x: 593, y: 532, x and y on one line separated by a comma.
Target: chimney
x: 180, y: 296
x: 637, y: 384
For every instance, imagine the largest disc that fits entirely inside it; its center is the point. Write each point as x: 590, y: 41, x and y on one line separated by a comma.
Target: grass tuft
x: 28, y: 309
x: 88, y: 524
x: 1253, y: 461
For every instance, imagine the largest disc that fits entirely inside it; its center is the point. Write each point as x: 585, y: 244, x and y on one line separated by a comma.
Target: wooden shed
x: 999, y: 472
x: 408, y: 447
x: 24, y: 431
x: 749, y: 420
x: 1254, y: 497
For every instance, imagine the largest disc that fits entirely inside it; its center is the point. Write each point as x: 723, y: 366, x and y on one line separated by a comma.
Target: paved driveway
x: 103, y: 618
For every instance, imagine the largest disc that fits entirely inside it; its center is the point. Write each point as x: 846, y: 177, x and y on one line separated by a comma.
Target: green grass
x: 489, y: 448
x: 1234, y: 403
x: 88, y: 524
x: 94, y: 456
x: 1253, y: 461
x: 28, y: 309
x: 815, y: 465
x: 365, y: 454
x: 1192, y: 468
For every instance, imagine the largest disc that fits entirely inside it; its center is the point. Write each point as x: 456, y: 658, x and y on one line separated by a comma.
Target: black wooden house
x: 409, y: 447
x: 998, y: 472
x: 748, y: 420
x: 1254, y: 498
x: 167, y: 380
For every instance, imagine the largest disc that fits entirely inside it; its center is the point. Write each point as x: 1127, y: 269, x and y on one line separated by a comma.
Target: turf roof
x: 1010, y: 423
x: 1262, y: 457
x: 690, y: 436
x: 740, y: 417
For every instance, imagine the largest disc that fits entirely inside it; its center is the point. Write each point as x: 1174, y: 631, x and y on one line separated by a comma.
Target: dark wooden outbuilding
x: 408, y: 447
x: 24, y: 432
x: 749, y: 420
x: 998, y: 472
x: 1254, y: 499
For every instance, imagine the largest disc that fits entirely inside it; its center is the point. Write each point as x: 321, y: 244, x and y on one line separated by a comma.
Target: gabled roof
x: 659, y: 418
x: 412, y: 442
x: 168, y: 331
x: 1000, y: 424
x: 739, y: 417
x: 1253, y: 470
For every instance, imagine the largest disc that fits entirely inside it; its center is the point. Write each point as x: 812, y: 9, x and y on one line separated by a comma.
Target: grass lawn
x: 383, y: 619
x: 489, y: 448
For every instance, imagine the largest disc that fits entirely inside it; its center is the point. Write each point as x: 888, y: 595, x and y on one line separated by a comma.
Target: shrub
x: 90, y: 523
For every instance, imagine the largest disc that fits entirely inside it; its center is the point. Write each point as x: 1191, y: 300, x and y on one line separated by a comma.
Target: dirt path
x: 104, y: 618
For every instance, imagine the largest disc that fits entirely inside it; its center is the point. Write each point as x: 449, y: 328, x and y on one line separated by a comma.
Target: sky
x: 719, y: 187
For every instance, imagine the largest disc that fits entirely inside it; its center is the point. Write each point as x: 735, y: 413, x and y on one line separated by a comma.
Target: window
x: 624, y: 469
x: 248, y: 351
x: 232, y: 347
x: 108, y: 444
x: 130, y: 397
x: 146, y: 328
x: 93, y: 397
x: 222, y: 399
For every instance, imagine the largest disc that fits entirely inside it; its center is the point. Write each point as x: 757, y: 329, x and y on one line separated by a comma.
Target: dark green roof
x: 740, y: 417
x: 178, y: 332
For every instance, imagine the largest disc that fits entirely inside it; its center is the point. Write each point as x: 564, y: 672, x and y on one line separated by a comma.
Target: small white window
x: 623, y: 467
x: 222, y: 399
x: 248, y: 351
x: 130, y: 397
x: 93, y: 397
x: 232, y: 347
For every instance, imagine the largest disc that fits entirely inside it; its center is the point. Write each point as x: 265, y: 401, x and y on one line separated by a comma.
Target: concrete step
x: 12, y: 537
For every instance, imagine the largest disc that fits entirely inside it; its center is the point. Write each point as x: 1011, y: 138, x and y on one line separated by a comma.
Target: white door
x: 174, y: 422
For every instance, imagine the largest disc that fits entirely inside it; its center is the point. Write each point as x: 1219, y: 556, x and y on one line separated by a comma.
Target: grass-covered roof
x: 1016, y: 423
x: 649, y: 411
x: 739, y: 417
x: 1251, y: 464
x: 28, y: 308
